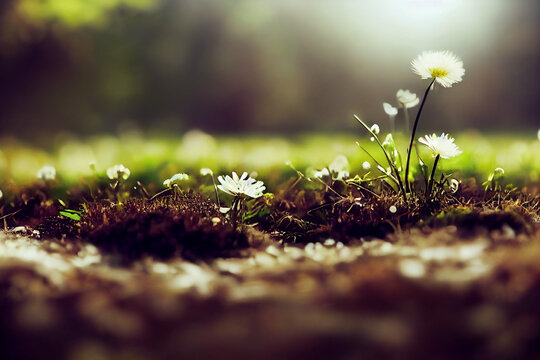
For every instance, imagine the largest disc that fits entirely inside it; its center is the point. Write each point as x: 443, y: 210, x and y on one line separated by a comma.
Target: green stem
x: 409, y: 149
x: 432, y: 176
x: 235, y: 210
x: 407, y: 122
x: 215, y: 189
x: 392, y: 166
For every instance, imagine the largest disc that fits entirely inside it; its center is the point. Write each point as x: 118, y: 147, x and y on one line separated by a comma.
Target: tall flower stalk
x: 442, y: 67
x: 411, y: 143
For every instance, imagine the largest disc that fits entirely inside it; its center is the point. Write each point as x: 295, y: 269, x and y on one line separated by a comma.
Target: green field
x: 153, y: 159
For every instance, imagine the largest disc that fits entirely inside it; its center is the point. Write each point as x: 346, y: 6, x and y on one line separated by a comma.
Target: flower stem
x: 215, y: 189
x: 235, y: 210
x: 407, y: 122
x: 409, y: 149
x: 432, y: 177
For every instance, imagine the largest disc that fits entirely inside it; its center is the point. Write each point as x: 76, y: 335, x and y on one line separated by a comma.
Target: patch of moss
x: 185, y: 225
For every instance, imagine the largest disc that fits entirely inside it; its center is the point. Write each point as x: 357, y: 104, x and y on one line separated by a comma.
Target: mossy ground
x: 311, y: 274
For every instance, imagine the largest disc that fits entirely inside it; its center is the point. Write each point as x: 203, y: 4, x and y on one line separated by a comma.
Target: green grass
x: 153, y: 159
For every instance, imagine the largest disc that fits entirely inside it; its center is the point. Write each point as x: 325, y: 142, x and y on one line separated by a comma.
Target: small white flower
x: 1, y: 194
x: 243, y: 185
x: 389, y: 109
x: 117, y: 172
x: 176, y: 179
x: 498, y: 173
x: 47, y: 173
x: 441, y: 145
x: 224, y: 210
x: 454, y: 185
x: 393, y: 209
x: 375, y: 129
x: 206, y: 171
x: 443, y: 66
x: 366, y: 165
x: 320, y: 174
x: 339, y: 168
x: 407, y: 99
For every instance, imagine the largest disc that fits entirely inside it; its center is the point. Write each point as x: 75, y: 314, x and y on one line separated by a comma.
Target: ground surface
x: 348, y: 281
x: 420, y: 294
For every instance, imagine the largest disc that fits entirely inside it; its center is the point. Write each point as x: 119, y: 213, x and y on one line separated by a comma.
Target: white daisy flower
x: 443, y: 66
x: 442, y: 146
x: 407, y: 99
x: 322, y: 173
x: 375, y: 129
x: 117, y: 172
x: 389, y: 109
x: 47, y: 173
x: 176, y: 179
x: 339, y: 168
x: 454, y: 185
x: 206, y: 171
x: 243, y: 185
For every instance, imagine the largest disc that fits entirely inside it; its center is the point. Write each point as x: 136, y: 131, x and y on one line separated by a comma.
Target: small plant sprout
x: 46, y: 173
x: 241, y: 188
x: 206, y: 172
x: 442, y: 67
x: 339, y: 168
x: 441, y: 147
x: 493, y: 181
x: 393, y: 172
x: 174, y: 182
x: 406, y: 100
x: 391, y: 112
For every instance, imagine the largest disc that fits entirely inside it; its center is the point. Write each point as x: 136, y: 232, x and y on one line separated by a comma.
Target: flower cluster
x: 446, y: 69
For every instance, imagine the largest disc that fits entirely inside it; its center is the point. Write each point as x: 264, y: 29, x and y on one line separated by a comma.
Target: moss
x: 186, y: 225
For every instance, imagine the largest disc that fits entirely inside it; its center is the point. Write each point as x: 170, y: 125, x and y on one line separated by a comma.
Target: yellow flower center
x: 438, y: 72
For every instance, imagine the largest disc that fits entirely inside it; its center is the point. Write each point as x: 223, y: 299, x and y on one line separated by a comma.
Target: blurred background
x: 280, y: 66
